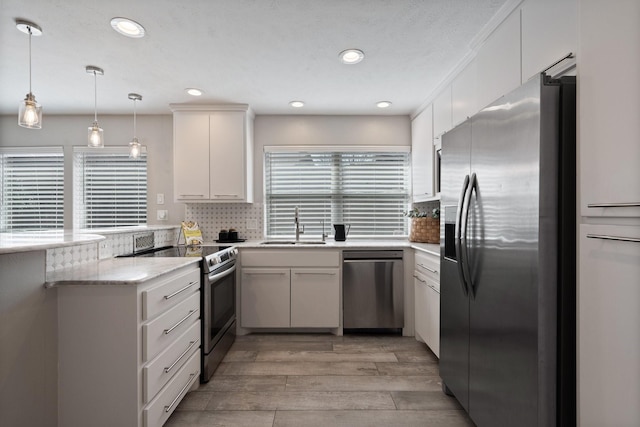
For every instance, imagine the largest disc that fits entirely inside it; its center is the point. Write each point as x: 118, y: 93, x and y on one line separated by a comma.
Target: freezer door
x: 503, y: 248
x: 454, y: 302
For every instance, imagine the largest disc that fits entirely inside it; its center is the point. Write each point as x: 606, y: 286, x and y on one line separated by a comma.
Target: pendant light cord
x: 134, y: 119
x: 29, y: 28
x: 95, y: 97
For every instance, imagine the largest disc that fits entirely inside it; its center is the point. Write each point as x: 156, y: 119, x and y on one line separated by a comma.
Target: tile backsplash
x: 213, y: 217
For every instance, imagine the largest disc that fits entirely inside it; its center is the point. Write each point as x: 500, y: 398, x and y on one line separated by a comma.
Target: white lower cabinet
x: 315, y: 298
x: 427, y: 300
x: 609, y: 320
x: 287, y: 289
x: 265, y: 297
x: 128, y: 353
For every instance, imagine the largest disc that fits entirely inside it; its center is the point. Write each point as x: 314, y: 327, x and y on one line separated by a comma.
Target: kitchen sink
x: 292, y: 242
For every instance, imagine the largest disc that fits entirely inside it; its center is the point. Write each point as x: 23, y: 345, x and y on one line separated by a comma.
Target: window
x: 367, y: 188
x: 110, y: 189
x: 32, y: 187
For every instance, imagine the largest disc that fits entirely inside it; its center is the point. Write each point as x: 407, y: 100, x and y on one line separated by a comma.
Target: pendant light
x: 134, y: 146
x: 29, y: 112
x: 96, y: 134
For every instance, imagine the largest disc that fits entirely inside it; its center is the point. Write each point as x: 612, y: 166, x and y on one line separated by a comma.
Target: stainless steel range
x: 218, y: 298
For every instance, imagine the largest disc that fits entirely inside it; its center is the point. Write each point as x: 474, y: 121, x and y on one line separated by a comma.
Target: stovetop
x: 214, y: 257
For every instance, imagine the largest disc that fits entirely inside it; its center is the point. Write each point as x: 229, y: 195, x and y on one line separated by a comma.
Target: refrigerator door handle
x: 457, y: 236
x: 464, y: 225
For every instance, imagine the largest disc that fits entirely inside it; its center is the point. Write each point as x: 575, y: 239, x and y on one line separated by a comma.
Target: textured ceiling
x: 264, y: 53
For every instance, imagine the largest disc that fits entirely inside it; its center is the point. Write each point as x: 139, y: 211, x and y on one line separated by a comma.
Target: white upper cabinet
x: 442, y: 112
x: 549, y: 33
x: 191, y: 156
x: 498, y: 62
x: 213, y: 153
x: 464, y: 94
x: 609, y: 107
x: 422, y: 155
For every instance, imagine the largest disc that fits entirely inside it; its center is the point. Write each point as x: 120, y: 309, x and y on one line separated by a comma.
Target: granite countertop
x: 41, y: 240
x: 117, y: 271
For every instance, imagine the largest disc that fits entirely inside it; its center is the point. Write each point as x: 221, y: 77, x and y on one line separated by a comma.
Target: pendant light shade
x: 29, y: 112
x: 134, y: 146
x: 95, y: 132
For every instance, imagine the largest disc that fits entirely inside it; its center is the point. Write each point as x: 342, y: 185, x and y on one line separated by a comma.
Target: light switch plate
x: 160, y: 199
x: 163, y: 214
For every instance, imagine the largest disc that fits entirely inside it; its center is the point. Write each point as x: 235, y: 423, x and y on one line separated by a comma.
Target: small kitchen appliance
x: 341, y: 232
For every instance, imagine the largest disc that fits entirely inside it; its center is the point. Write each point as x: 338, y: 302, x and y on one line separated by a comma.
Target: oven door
x: 219, y: 304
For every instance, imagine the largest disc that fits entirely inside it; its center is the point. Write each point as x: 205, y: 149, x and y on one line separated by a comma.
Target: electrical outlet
x: 160, y: 199
x: 103, y: 245
x: 252, y: 224
x: 163, y: 214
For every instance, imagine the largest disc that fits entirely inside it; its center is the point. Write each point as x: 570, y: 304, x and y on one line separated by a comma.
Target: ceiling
x: 264, y: 53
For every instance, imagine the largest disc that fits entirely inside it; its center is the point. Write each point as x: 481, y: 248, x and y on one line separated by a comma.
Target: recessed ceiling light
x: 127, y: 27
x: 383, y: 104
x: 297, y: 104
x: 351, y: 56
x: 194, y: 92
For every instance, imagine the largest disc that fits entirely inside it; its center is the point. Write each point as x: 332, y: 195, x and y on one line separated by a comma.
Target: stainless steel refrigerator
x: 507, y: 345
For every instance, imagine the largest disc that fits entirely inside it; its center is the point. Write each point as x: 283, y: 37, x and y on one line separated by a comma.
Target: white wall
x: 324, y: 130
x: 155, y: 132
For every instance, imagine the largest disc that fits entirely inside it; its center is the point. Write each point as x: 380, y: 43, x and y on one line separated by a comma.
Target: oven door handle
x: 214, y: 277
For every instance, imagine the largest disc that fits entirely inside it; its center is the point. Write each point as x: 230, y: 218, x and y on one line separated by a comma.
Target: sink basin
x: 292, y: 242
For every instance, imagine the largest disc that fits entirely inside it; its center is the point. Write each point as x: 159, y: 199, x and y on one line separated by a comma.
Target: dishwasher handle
x: 372, y: 255
x: 371, y: 260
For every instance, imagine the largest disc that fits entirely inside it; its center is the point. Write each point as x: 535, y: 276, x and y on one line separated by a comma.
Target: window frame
x: 318, y: 220
x: 85, y: 213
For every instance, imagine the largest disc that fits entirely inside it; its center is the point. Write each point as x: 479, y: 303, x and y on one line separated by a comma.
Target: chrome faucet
x: 297, y: 221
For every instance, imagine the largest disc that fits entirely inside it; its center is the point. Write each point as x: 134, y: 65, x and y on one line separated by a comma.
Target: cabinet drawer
x: 160, y: 408
x: 160, y: 370
x: 428, y: 265
x: 163, y: 330
x: 288, y: 258
x: 169, y: 293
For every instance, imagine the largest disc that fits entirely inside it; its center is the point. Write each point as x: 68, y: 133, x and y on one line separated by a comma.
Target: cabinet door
x: 549, y: 32
x: 190, y: 156
x: 609, y: 106
x: 265, y: 298
x: 499, y: 62
x: 422, y: 155
x: 433, y: 300
x: 227, y: 155
x: 421, y: 307
x: 442, y: 112
x: 315, y: 298
x: 608, y: 334
x: 464, y: 94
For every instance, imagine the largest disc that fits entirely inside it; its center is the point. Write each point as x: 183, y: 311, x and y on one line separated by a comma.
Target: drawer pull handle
x: 419, y: 279
x: 170, y: 367
x: 226, y: 195
x: 618, y: 238
x: 276, y: 273
x: 168, y: 408
x: 427, y: 268
x: 312, y: 273
x: 168, y: 331
x: 613, y: 205
x: 192, y: 195
x: 179, y: 290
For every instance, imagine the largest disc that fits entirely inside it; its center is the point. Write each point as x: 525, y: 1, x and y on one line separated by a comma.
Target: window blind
x: 32, y: 186
x: 367, y: 189
x: 110, y: 188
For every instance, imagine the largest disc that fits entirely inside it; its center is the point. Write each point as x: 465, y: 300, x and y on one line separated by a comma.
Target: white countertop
x: 117, y: 271
x: 41, y: 240
x: 433, y: 249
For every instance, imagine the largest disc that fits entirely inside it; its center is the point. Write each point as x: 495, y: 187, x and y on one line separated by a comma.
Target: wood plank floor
x: 323, y: 380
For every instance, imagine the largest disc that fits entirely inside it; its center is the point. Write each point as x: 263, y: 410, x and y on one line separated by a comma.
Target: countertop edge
x: 68, y: 239
x: 140, y: 269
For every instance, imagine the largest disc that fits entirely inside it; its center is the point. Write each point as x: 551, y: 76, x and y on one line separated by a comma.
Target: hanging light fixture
x: 30, y: 112
x: 134, y: 146
x: 96, y: 134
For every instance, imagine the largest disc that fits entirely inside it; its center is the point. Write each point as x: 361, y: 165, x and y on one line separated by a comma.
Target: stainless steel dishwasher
x: 373, y: 289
